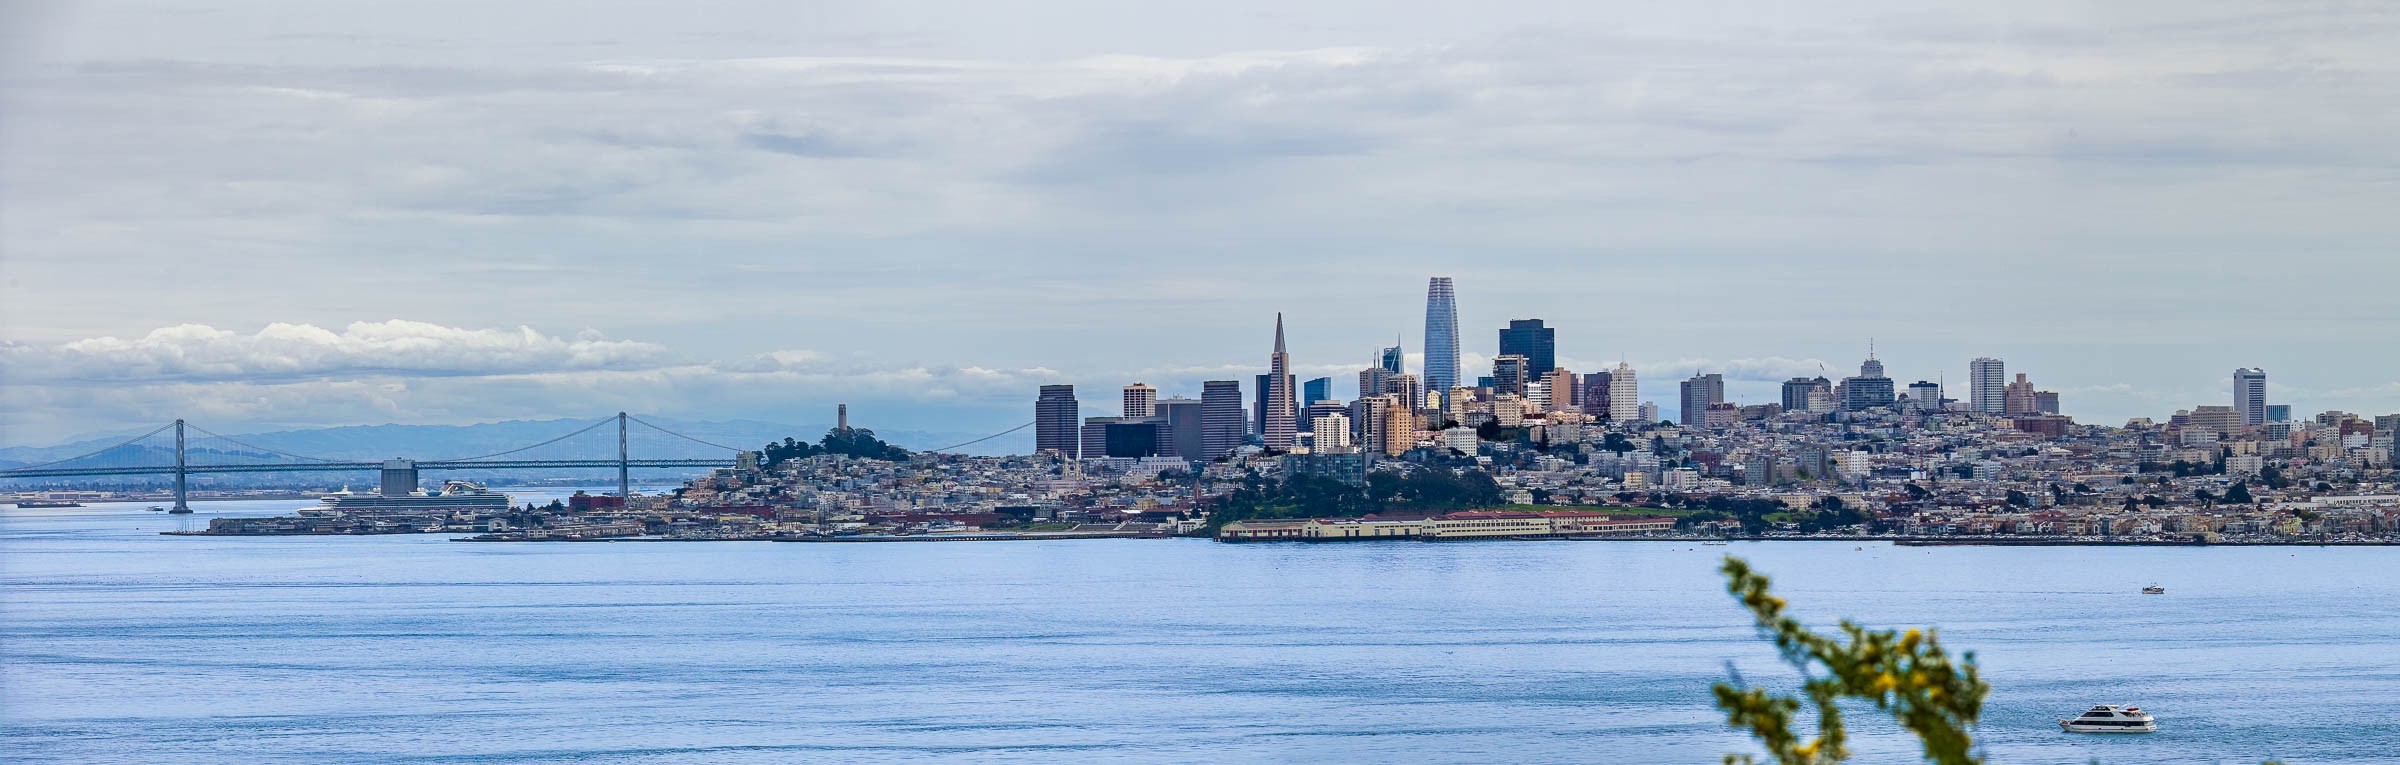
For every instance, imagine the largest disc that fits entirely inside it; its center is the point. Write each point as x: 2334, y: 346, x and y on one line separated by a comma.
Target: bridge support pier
x: 182, y: 471
x: 624, y: 478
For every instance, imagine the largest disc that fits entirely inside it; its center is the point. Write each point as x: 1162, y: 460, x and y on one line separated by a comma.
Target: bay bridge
x: 196, y: 451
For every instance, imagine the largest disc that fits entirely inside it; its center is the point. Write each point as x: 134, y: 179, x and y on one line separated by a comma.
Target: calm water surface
x: 120, y: 645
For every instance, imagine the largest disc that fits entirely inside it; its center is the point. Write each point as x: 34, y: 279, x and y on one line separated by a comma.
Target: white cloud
x: 194, y: 352
x: 416, y: 372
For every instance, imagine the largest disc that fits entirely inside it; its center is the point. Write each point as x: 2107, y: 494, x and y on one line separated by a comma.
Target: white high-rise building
x: 1987, y: 379
x: 2250, y: 395
x: 1140, y: 400
x: 1333, y: 432
x: 1625, y: 396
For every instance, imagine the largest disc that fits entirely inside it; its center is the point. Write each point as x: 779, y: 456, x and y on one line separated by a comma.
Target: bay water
x: 121, y: 645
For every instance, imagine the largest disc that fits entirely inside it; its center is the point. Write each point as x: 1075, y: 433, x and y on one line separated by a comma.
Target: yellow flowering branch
x: 1907, y: 674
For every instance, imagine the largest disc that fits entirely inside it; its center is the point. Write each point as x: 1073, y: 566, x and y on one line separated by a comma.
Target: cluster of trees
x: 1617, y: 442
x: 1433, y: 488
x: 1490, y: 430
x: 845, y: 442
x: 2186, y: 468
x: 1752, y: 512
x: 2273, y: 478
x: 1303, y: 496
x: 1830, y: 513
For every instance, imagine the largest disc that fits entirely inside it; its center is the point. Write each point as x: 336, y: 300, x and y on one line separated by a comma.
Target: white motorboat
x: 2109, y: 718
x: 2154, y: 590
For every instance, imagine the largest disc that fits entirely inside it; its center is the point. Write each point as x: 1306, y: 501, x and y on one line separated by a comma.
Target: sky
x: 292, y: 214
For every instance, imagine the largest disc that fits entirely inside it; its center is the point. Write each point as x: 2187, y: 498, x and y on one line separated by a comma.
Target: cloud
x: 197, y: 352
x: 419, y: 372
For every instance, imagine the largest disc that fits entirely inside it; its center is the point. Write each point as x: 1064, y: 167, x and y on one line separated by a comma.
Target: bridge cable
x: 983, y: 439
x: 230, y: 440
x: 128, y: 442
x: 586, y: 429
x: 656, y: 427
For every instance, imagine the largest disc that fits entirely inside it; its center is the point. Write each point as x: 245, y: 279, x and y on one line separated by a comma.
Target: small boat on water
x: 2110, y: 718
x: 157, y: 509
x: 2154, y: 590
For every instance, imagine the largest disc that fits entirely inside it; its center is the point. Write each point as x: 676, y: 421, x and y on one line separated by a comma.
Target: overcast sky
x: 285, y: 214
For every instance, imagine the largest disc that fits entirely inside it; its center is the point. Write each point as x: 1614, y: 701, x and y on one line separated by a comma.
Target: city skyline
x: 568, y: 381
x: 294, y: 219
x: 1745, y: 381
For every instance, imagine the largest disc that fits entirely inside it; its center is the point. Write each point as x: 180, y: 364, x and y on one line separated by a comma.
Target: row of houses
x: 1470, y: 524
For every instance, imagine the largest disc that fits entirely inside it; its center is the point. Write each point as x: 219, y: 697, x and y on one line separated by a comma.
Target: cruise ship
x: 454, y: 495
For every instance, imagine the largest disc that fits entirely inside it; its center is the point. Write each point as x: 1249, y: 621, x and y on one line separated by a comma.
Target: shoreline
x: 1075, y: 535
x: 1893, y: 541
x: 996, y: 537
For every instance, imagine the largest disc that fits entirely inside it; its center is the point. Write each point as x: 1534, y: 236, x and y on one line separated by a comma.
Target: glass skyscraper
x: 1537, y: 343
x: 1441, y: 335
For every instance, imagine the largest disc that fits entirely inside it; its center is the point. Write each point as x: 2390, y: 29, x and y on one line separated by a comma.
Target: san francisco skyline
x: 308, y: 219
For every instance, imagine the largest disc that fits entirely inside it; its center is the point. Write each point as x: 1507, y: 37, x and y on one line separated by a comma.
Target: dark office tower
x: 1320, y: 389
x: 1371, y: 380
x: 1700, y: 393
x: 1870, y: 389
x: 1120, y: 437
x: 1392, y: 360
x: 1055, y: 417
x: 1186, y: 427
x: 1258, y: 406
x: 1441, y: 335
x: 1220, y: 418
x: 1537, y: 343
x: 1595, y: 394
x: 1509, y: 374
x: 1795, y: 393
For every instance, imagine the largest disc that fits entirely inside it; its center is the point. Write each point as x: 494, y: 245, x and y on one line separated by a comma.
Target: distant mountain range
x: 433, y: 442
